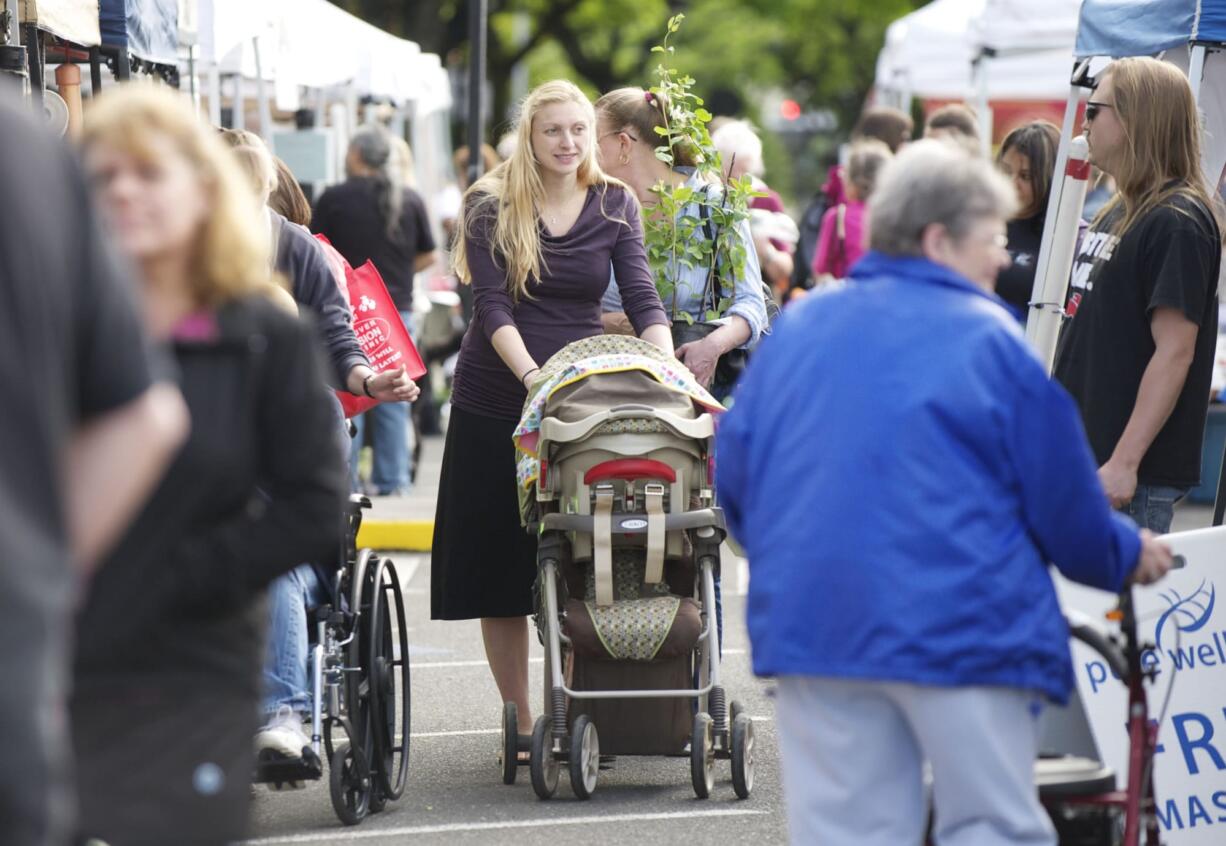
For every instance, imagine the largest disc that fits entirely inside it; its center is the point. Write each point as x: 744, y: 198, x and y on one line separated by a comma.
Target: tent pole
x: 214, y: 94
x: 261, y: 93
x: 1196, y: 70
x: 979, y: 75
x: 1042, y: 268
x: 192, y: 82
x: 238, y: 112
x: 478, y: 11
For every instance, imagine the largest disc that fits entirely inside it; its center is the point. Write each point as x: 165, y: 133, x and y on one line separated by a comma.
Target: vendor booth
x: 1010, y: 58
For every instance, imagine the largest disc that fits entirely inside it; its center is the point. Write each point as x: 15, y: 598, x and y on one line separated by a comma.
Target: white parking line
x: 370, y: 834
x: 426, y: 665
x: 458, y: 733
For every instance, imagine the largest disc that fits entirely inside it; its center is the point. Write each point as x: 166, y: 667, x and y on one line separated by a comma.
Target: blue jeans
x: 286, y: 680
x: 390, y: 427
x: 1153, y: 506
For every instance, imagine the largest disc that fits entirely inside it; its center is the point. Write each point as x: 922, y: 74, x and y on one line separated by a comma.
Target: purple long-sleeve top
x: 565, y: 303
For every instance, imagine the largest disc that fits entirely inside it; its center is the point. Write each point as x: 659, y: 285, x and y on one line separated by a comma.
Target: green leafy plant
x: 673, y: 231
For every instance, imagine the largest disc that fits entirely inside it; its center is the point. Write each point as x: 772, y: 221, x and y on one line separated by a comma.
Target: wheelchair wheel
x: 386, y: 667
x: 350, y: 784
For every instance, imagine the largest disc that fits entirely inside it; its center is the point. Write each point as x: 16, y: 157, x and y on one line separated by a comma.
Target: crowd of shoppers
x: 203, y: 357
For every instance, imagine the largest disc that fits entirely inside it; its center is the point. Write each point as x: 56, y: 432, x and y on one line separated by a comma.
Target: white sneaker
x: 283, y: 735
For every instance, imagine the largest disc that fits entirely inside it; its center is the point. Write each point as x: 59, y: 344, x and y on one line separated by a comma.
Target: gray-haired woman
x: 374, y: 216
x: 899, y: 520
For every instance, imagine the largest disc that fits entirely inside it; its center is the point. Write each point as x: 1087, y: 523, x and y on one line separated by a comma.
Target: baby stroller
x: 616, y: 482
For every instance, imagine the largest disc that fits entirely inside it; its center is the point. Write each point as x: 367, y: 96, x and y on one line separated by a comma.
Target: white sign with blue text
x: 1183, y: 621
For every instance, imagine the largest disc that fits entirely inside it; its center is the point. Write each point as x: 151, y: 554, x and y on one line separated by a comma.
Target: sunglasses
x: 1092, y: 109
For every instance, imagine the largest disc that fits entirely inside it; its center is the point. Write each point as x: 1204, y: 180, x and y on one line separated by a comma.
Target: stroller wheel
x: 742, y: 755
x: 510, y: 743
x: 584, y: 757
x: 542, y: 766
x: 702, y: 756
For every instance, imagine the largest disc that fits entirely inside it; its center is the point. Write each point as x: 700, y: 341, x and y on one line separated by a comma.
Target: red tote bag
x: 380, y: 331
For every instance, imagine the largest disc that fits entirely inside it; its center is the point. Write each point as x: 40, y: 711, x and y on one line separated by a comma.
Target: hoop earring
x: 624, y: 159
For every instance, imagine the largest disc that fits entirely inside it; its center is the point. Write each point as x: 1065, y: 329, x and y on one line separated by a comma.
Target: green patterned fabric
x: 635, y: 626
x: 631, y: 427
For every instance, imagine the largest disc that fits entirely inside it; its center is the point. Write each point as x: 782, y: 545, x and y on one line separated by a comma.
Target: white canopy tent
x: 307, y: 43
x: 280, y: 48
x: 1025, y: 44
x: 71, y: 20
x: 927, y: 53
x: 979, y: 51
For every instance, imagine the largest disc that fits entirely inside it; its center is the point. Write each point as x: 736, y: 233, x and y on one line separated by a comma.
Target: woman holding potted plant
x: 716, y: 298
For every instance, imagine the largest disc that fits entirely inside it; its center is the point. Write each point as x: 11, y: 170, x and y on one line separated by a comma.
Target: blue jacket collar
x: 874, y: 264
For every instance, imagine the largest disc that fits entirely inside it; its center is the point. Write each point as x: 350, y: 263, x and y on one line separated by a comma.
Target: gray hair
x: 373, y: 147
x: 934, y: 182
x: 738, y: 138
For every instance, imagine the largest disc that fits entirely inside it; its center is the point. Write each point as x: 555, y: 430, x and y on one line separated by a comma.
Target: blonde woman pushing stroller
x: 537, y: 236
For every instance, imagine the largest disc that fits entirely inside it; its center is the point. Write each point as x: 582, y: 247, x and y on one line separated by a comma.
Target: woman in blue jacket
x: 900, y: 470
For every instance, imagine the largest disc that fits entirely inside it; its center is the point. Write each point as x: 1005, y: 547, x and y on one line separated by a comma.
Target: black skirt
x: 483, y: 562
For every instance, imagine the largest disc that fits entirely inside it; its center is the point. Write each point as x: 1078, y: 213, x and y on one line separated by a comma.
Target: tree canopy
x: 821, y: 52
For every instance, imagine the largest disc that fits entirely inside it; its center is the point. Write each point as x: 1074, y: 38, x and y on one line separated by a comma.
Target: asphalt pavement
x: 455, y: 793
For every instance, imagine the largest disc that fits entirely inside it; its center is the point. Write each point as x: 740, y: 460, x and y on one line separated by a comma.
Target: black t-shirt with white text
x: 1169, y: 258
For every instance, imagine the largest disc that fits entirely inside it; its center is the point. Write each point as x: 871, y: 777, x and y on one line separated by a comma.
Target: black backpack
x: 810, y: 225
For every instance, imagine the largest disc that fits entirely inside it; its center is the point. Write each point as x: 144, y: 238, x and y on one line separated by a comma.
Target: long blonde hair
x: 512, y: 194
x: 231, y: 256
x: 1162, y: 137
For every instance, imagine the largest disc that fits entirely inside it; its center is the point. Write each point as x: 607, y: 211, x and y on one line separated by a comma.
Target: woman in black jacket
x: 1028, y: 158
x: 170, y: 634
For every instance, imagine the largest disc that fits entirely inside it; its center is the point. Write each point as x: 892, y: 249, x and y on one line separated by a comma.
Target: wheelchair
x: 360, y: 686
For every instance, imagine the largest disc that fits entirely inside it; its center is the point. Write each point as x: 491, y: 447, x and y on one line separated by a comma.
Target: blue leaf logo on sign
x: 1190, y: 613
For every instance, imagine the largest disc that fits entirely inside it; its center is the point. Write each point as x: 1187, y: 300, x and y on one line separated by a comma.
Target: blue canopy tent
x: 1120, y: 28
